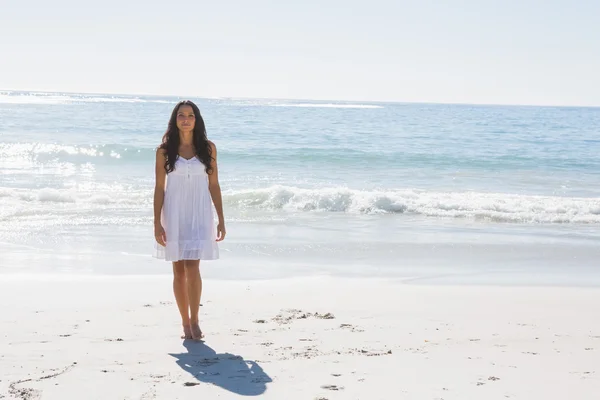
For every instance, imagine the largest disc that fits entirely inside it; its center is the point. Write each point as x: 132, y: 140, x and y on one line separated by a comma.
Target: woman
x: 186, y: 182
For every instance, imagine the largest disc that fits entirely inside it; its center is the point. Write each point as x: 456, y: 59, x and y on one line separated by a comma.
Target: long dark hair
x: 170, y: 140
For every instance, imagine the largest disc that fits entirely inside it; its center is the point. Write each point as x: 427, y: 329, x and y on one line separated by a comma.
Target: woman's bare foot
x: 187, y: 332
x: 196, y: 331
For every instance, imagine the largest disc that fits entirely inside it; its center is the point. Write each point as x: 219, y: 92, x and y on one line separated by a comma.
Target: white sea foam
x: 493, y: 207
x: 497, y: 207
x: 100, y: 195
x: 32, y: 149
x: 44, y: 98
x: 59, y: 152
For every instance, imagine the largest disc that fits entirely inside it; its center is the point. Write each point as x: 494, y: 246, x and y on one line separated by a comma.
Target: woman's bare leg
x: 181, y: 296
x: 194, y: 290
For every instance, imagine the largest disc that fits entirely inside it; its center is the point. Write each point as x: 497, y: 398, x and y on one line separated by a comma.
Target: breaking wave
x: 498, y: 207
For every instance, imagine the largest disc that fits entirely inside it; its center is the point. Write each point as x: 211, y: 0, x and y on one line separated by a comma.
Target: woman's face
x: 185, y: 118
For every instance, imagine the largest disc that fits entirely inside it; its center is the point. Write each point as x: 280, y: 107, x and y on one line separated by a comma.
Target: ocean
x: 425, y: 193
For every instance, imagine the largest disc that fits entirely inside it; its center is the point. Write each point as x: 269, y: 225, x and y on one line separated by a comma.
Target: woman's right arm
x: 159, y: 196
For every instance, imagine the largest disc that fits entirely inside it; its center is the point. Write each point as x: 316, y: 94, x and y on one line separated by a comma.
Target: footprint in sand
x: 332, y: 387
x: 351, y: 328
x: 162, y: 303
x: 23, y: 393
x: 293, y: 314
x: 584, y: 375
x: 372, y: 353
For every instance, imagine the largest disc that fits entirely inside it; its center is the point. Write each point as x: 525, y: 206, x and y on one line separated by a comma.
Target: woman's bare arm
x: 215, y: 192
x: 159, y: 196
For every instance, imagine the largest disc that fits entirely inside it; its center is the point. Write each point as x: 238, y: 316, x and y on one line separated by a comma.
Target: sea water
x: 421, y: 192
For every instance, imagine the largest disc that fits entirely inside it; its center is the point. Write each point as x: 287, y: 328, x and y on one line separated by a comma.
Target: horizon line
x: 305, y: 99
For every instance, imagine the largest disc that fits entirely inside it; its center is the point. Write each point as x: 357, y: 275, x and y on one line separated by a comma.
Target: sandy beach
x: 407, y: 192
x: 312, y: 338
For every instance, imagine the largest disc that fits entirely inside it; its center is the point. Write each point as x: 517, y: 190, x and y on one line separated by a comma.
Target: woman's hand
x: 159, y: 235
x: 221, y: 231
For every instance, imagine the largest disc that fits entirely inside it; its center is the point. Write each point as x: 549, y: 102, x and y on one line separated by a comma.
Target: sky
x: 471, y: 51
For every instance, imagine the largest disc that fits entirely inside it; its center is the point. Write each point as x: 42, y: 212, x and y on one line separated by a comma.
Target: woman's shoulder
x: 161, y: 152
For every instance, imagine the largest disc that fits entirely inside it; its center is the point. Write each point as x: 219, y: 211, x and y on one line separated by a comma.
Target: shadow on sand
x: 226, y: 370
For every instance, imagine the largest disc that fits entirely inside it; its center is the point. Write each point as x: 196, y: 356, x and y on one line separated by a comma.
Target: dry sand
x: 312, y: 338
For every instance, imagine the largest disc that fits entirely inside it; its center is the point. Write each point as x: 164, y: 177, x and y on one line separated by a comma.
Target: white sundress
x: 187, y: 214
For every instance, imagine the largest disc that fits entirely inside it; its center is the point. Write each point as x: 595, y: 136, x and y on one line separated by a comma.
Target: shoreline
x: 409, y: 282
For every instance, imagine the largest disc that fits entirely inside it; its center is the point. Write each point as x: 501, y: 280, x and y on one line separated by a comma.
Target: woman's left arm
x: 215, y: 192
